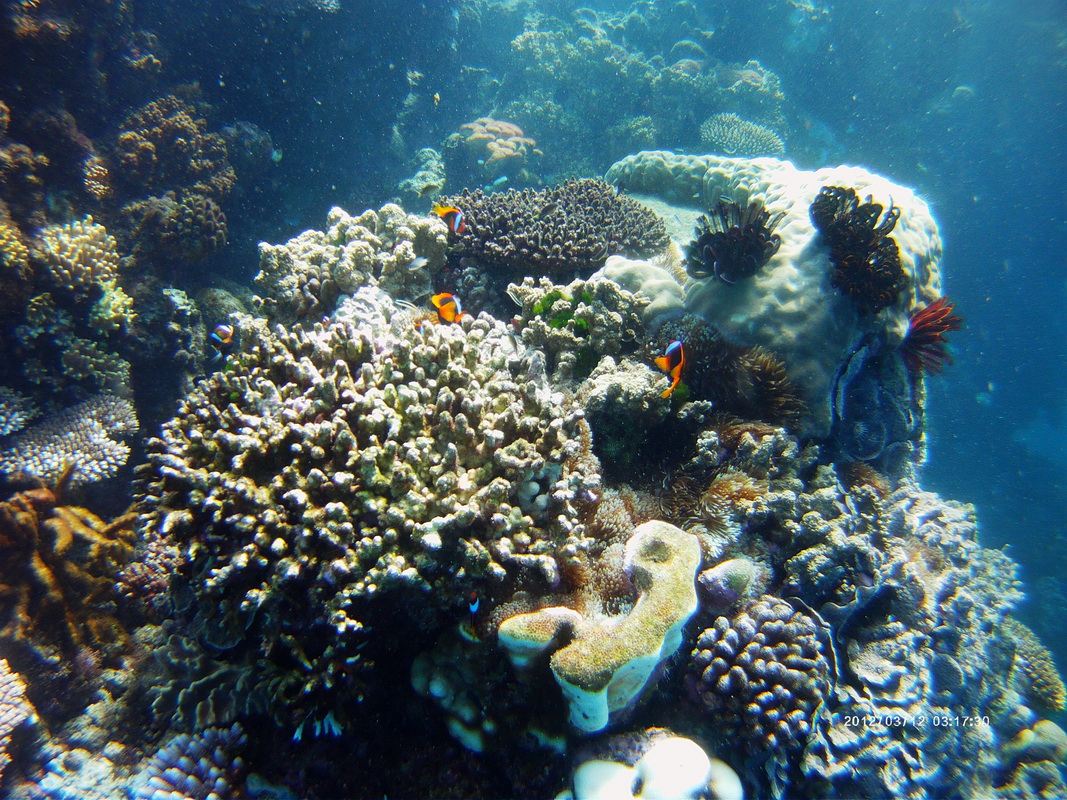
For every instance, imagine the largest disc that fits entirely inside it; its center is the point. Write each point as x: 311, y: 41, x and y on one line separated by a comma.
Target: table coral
x: 305, y: 277
x: 82, y: 439
x: 16, y: 411
x: 729, y: 135
x: 362, y: 457
x: 58, y: 563
x: 573, y: 226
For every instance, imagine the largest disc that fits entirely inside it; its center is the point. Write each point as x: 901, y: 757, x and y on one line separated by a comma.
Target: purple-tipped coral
x: 733, y: 243
x: 194, y: 767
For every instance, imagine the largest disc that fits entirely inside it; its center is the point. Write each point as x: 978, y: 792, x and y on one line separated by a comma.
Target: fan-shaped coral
x: 733, y: 243
x: 573, y: 226
x: 923, y: 347
x: 866, y: 262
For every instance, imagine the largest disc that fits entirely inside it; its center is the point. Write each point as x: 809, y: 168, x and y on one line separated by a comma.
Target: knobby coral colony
x: 573, y: 226
x: 924, y: 345
x: 733, y: 243
x: 866, y: 262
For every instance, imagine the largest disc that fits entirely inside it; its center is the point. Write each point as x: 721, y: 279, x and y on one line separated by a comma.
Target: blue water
x: 963, y: 101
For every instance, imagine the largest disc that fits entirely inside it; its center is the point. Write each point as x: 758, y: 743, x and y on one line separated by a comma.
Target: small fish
x: 221, y: 338
x: 452, y: 216
x: 448, y: 307
x: 473, y: 603
x: 223, y: 334
x: 436, y: 98
x: 547, y: 209
x: 418, y: 263
x: 672, y: 362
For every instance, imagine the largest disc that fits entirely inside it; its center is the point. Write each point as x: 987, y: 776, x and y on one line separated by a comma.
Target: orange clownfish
x: 452, y: 216
x: 448, y: 307
x: 672, y: 362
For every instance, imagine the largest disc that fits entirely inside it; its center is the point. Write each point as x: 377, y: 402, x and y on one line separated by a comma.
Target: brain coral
x: 337, y: 464
x: 790, y: 306
x: 729, y: 135
x: 573, y: 226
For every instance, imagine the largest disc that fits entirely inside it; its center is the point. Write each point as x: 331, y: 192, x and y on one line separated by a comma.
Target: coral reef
x: 651, y: 763
x: 866, y: 262
x: 789, y: 306
x: 749, y: 382
x: 364, y: 458
x: 78, y: 257
x: 58, y: 564
x: 734, y: 242
x: 573, y: 226
x: 429, y: 177
x: 16, y: 411
x: 1044, y: 686
x: 500, y: 148
x: 729, y: 135
x: 78, y: 439
x: 305, y: 277
x: 165, y: 146
x: 764, y: 673
x: 610, y: 662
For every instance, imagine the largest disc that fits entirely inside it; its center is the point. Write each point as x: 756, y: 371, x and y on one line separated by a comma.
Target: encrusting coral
x: 58, y: 564
x: 573, y: 226
x: 361, y: 458
x: 1034, y: 661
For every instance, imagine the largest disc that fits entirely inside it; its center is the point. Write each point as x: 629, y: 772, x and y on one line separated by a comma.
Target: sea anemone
x: 733, y: 242
x: 923, y: 347
x: 866, y: 262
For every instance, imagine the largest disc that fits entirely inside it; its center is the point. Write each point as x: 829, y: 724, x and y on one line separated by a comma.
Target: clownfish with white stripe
x: 672, y: 362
